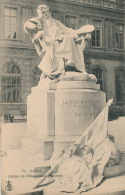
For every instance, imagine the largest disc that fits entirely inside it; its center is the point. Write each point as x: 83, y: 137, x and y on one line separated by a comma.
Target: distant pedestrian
x: 11, y: 117
x: 6, y: 117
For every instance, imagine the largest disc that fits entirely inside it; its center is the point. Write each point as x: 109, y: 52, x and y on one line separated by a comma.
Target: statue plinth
x: 58, y: 113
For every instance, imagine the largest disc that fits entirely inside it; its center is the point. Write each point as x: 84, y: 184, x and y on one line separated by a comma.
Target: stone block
x: 34, y: 147
x: 40, y: 112
x: 58, y: 113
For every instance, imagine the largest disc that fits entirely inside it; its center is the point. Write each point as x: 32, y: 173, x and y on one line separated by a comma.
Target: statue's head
x: 43, y: 12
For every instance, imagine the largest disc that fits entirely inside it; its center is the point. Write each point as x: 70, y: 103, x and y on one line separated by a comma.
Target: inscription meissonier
x: 79, y: 103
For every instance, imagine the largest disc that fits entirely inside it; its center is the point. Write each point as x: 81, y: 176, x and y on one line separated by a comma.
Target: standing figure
x: 6, y: 117
x: 11, y: 117
x: 57, y: 45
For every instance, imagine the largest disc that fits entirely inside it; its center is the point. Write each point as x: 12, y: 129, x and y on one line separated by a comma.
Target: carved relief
x: 18, y: 61
x: 84, y: 20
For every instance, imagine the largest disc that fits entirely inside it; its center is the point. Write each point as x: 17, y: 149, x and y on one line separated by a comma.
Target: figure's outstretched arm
x: 85, y: 30
x: 82, y: 35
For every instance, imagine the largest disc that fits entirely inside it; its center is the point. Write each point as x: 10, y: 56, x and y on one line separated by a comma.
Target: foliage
x: 115, y: 111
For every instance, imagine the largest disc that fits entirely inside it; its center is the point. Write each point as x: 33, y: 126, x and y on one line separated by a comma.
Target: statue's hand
x: 38, y: 35
x: 88, y: 37
x: 78, y: 40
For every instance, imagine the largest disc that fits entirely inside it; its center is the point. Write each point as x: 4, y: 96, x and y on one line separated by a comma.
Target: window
x: 36, y: 75
x: 100, y: 74
x: 96, y: 34
x: 10, y: 18
x: 70, y: 21
x: 120, y: 84
x: 11, y: 84
x: 57, y: 15
x: 119, y: 36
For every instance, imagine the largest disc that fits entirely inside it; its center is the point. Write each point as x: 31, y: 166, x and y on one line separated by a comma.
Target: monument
x: 65, y: 103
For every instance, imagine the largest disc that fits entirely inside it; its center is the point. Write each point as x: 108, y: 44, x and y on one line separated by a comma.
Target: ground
x: 12, y: 134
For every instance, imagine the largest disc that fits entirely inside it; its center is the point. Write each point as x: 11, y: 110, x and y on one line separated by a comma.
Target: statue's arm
x: 84, y: 34
x: 84, y: 30
x: 69, y: 31
x: 114, y: 170
x: 81, y: 36
x: 32, y: 27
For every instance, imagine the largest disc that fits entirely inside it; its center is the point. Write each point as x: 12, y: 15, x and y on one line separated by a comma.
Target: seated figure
x: 59, y: 46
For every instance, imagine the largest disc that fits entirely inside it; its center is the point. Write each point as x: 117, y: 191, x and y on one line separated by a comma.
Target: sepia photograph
x: 62, y: 97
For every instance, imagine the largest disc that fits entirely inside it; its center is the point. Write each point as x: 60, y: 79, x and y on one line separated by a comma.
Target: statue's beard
x: 48, y: 18
x: 49, y: 21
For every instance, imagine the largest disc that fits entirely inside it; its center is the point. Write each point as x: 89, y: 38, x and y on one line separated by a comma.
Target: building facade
x: 104, y: 55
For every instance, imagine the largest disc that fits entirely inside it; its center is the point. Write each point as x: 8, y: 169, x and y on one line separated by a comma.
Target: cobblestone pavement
x: 12, y: 133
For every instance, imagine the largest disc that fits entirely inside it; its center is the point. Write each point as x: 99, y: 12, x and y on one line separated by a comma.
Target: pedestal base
x: 58, y: 113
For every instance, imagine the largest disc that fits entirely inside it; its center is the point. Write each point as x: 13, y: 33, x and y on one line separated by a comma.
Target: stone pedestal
x: 40, y: 123
x: 58, y: 113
